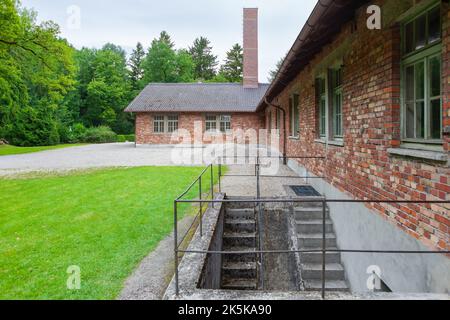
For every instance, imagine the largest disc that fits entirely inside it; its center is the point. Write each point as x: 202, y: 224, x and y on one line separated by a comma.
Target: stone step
x: 248, y: 213
x: 314, y: 226
x: 334, y: 271
x: 240, y: 225
x: 310, y: 213
x: 240, y: 239
x: 239, y: 284
x: 239, y: 270
x: 316, y: 257
x: 314, y: 240
x: 248, y: 254
x: 330, y: 285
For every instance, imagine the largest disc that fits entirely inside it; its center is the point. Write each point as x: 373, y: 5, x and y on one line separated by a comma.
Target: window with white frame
x: 330, y: 103
x: 165, y: 124
x: 295, y: 115
x: 323, y: 112
x: 215, y: 123
x: 422, y: 77
x: 158, y: 124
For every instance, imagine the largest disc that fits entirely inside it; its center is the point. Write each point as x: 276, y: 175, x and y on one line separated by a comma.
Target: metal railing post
x: 258, y: 196
x: 220, y: 175
x: 324, y: 244
x: 200, y: 205
x: 212, y: 185
x: 175, y: 237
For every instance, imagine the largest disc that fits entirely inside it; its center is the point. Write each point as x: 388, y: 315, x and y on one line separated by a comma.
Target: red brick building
x: 376, y: 102
x: 163, y: 109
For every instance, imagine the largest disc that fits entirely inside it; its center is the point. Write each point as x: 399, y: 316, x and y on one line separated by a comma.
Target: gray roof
x: 197, y: 97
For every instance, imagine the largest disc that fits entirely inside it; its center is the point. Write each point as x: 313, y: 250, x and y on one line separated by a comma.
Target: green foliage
x: 37, y: 72
x: 205, y: 62
x: 126, y: 138
x: 163, y: 64
x: 100, y: 134
x: 106, y: 232
x: 232, y: 69
x: 136, y: 70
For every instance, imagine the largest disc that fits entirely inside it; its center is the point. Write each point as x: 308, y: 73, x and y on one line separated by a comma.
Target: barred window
x: 165, y: 124
x: 225, y: 123
x: 211, y: 123
x: 158, y: 124
x: 216, y: 123
x: 172, y: 124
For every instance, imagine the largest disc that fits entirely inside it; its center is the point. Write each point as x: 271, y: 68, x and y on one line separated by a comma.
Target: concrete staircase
x: 309, y: 223
x: 239, y: 271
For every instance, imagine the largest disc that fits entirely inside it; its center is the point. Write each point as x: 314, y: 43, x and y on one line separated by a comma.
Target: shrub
x: 100, y: 134
x: 126, y: 138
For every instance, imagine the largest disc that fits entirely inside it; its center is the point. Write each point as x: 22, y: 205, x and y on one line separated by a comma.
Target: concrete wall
x: 360, y: 228
x: 212, y: 272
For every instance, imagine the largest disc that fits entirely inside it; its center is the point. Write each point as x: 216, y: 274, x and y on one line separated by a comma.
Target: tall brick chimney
x: 250, y: 47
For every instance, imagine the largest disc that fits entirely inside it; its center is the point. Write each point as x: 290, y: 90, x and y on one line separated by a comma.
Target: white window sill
x: 294, y: 138
x: 336, y: 143
x: 420, y: 154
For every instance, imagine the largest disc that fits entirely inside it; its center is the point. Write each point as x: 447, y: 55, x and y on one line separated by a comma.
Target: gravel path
x: 95, y: 156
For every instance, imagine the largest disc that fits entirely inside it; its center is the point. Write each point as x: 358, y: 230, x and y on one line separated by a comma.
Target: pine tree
x: 205, y: 62
x: 164, y: 37
x: 136, y: 69
x: 232, y: 69
x: 273, y: 73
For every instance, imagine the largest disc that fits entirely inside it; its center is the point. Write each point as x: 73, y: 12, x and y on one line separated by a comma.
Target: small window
x: 337, y: 102
x: 158, y: 124
x: 172, y: 124
x: 295, y: 115
x: 216, y: 123
x: 422, y: 31
x: 211, y: 123
x: 225, y: 123
x: 322, y: 97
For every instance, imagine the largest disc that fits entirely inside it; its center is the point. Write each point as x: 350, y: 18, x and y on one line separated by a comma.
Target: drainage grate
x: 305, y: 191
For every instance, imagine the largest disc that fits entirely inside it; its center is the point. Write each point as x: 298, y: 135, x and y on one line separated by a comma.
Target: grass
x: 104, y: 221
x: 6, y: 150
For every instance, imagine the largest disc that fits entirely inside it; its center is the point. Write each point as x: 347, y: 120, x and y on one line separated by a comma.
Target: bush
x: 100, y: 134
x: 125, y: 138
x: 77, y: 133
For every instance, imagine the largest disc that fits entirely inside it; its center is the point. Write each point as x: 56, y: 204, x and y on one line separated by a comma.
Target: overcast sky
x: 125, y: 22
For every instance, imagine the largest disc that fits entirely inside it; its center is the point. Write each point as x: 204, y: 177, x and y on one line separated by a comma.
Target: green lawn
x: 6, y: 150
x: 103, y: 221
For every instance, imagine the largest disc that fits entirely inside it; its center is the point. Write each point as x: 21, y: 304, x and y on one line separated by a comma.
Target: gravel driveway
x: 96, y: 156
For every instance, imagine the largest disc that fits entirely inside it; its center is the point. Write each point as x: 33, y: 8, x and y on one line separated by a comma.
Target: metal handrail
x: 324, y: 250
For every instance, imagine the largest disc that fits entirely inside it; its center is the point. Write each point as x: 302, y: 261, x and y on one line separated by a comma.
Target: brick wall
x: 186, y: 121
x: 363, y: 168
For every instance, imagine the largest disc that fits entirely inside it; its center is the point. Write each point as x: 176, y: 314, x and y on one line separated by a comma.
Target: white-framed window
x: 216, y: 123
x: 165, y: 123
x: 421, y: 77
x: 159, y: 124
x: 294, y: 115
x: 329, y: 94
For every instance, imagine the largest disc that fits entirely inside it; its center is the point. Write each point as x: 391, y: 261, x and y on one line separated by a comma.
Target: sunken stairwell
x: 309, y: 223
x: 239, y: 271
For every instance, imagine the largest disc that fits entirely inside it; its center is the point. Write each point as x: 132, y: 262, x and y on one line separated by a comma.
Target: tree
x: 37, y: 74
x: 164, y: 37
x: 273, y: 73
x: 232, y: 69
x: 136, y: 69
x: 205, y: 62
